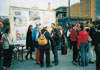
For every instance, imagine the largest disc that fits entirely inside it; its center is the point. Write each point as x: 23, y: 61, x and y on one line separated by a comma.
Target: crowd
x: 85, y: 43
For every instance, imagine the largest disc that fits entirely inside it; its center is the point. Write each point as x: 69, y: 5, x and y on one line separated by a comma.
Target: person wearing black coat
x: 45, y: 49
x: 97, y: 48
x: 56, y: 39
x: 29, y: 43
x: 1, y: 44
x: 92, y: 32
x: 92, y: 47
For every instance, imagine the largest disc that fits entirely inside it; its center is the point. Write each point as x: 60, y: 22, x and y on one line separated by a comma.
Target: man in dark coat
x: 92, y: 32
x: 97, y: 48
x: 56, y: 38
x: 92, y: 35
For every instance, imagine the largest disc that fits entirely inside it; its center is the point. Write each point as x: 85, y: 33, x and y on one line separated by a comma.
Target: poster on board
x: 21, y: 18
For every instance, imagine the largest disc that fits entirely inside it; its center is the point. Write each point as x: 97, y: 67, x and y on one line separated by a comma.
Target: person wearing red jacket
x: 83, y: 45
x: 74, y: 38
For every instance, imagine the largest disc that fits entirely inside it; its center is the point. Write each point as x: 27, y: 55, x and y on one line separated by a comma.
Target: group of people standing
x: 53, y: 39
x: 86, y: 42
x: 83, y: 41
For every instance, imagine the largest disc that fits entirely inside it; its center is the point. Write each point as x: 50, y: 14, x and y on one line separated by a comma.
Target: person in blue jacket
x: 35, y: 36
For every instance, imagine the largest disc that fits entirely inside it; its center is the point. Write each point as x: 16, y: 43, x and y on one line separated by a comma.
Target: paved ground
x: 65, y: 63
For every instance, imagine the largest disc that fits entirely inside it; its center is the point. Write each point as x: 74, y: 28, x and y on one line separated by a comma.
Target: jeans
x: 83, y: 49
x: 56, y: 54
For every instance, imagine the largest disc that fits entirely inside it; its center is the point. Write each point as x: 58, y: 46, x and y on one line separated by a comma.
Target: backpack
x: 42, y: 39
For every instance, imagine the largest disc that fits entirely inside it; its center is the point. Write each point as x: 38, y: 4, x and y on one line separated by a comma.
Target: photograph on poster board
x: 34, y: 15
x: 20, y: 35
x: 19, y: 21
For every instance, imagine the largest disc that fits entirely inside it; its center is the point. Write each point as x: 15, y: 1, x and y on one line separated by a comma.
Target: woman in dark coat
x: 97, y: 48
x: 29, y: 43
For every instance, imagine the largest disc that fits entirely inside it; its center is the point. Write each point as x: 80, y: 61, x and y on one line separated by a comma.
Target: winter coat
x: 29, y: 41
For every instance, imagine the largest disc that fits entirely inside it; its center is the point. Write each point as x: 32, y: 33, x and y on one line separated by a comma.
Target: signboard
x: 21, y: 18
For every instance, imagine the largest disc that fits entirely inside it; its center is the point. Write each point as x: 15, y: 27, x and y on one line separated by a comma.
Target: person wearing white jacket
x: 7, y: 52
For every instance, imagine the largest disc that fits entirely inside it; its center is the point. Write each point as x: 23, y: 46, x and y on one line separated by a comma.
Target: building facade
x: 74, y: 10
x: 84, y: 9
x: 61, y: 12
x: 97, y: 10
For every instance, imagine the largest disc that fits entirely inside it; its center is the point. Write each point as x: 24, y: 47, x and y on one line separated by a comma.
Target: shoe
x: 56, y: 64
x: 26, y: 57
x: 91, y: 62
x: 74, y: 62
x: 31, y: 58
x: 41, y: 66
x: 37, y: 63
x: 48, y: 66
x: 53, y: 61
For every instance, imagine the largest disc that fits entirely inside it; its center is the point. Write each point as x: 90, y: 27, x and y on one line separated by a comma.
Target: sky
x: 42, y: 4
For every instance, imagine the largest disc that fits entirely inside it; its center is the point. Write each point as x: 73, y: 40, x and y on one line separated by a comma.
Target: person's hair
x: 53, y: 24
x: 82, y: 26
x: 68, y: 24
x: 91, y: 23
x: 60, y: 27
x: 7, y: 30
x: 29, y: 27
x: 87, y: 30
x: 73, y: 25
x: 98, y: 27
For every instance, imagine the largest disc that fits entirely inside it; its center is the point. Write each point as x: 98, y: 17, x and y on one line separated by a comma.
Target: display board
x: 21, y: 18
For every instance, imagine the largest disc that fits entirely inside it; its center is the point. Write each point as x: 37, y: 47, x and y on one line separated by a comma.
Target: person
x: 83, y: 45
x: 1, y: 44
x: 68, y: 36
x: 34, y: 35
x: 45, y: 49
x: 7, y: 52
x: 38, y: 48
x: 74, y: 38
x: 55, y: 33
x: 29, y: 43
x: 61, y: 35
x: 92, y: 32
x: 97, y: 48
x: 78, y: 28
